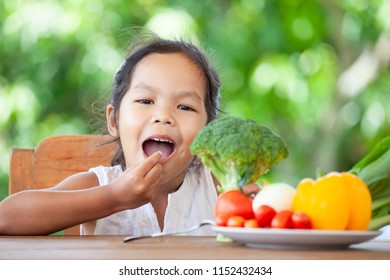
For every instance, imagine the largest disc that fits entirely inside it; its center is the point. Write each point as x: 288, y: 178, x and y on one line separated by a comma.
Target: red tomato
x: 252, y: 223
x: 301, y: 221
x: 264, y: 215
x: 235, y: 221
x: 221, y: 220
x: 233, y: 203
x: 282, y: 219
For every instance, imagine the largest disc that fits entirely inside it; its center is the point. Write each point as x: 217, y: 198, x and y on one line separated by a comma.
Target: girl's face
x: 163, y: 110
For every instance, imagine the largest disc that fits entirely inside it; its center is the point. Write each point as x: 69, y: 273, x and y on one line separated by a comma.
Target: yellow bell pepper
x: 336, y: 201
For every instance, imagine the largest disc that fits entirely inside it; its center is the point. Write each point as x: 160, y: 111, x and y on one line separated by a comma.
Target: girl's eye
x: 145, y: 101
x: 185, y: 108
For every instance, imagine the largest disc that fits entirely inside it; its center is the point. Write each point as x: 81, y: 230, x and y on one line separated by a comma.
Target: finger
x: 154, y: 174
x: 145, y: 166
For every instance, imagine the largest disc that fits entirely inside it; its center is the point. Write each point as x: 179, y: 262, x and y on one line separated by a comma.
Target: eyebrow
x: 191, y: 94
x: 181, y: 94
x: 145, y: 86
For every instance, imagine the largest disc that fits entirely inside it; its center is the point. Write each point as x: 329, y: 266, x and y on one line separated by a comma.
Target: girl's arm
x: 35, y: 212
x: 77, y: 200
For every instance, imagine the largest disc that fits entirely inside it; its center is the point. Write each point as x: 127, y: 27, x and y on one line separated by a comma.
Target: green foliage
x: 285, y: 64
x: 238, y: 151
x: 374, y: 170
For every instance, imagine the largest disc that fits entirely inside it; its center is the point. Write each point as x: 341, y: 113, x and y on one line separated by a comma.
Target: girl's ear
x: 111, y: 123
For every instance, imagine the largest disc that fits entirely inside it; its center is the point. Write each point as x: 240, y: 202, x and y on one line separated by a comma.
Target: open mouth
x: 152, y: 145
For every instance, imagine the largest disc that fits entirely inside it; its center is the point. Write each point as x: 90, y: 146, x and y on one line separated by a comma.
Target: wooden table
x: 169, y: 248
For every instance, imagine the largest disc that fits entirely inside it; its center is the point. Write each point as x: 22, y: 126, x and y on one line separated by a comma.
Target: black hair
x: 143, y: 46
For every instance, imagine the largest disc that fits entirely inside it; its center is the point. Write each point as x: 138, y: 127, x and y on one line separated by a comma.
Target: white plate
x: 295, y: 238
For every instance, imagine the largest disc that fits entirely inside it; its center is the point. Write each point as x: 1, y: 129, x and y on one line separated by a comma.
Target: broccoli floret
x: 238, y: 151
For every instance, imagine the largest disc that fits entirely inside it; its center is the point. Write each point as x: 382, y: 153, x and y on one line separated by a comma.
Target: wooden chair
x: 56, y: 158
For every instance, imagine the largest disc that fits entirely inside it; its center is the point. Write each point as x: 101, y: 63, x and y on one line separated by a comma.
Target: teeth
x: 162, y: 140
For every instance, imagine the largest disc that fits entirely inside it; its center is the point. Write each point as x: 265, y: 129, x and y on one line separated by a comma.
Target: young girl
x: 164, y: 93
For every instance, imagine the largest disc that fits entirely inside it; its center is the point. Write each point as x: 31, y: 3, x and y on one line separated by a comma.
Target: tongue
x: 150, y: 147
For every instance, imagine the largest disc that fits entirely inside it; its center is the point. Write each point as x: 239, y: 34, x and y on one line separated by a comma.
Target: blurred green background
x: 315, y: 72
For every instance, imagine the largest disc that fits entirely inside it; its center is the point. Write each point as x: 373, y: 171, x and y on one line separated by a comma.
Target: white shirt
x: 192, y: 202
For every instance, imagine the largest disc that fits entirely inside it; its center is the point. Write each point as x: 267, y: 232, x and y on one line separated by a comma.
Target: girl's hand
x: 139, y: 185
x: 251, y: 190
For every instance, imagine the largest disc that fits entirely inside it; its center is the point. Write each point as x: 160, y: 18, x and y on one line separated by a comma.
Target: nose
x: 163, y: 116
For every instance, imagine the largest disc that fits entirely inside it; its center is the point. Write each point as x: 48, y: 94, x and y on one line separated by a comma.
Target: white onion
x: 278, y: 196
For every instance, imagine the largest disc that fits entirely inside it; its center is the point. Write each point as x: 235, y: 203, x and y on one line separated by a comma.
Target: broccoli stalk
x: 228, y: 175
x: 237, y: 151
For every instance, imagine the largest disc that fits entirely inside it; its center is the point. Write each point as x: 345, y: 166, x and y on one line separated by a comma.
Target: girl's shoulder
x: 204, y: 174
x: 200, y: 177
